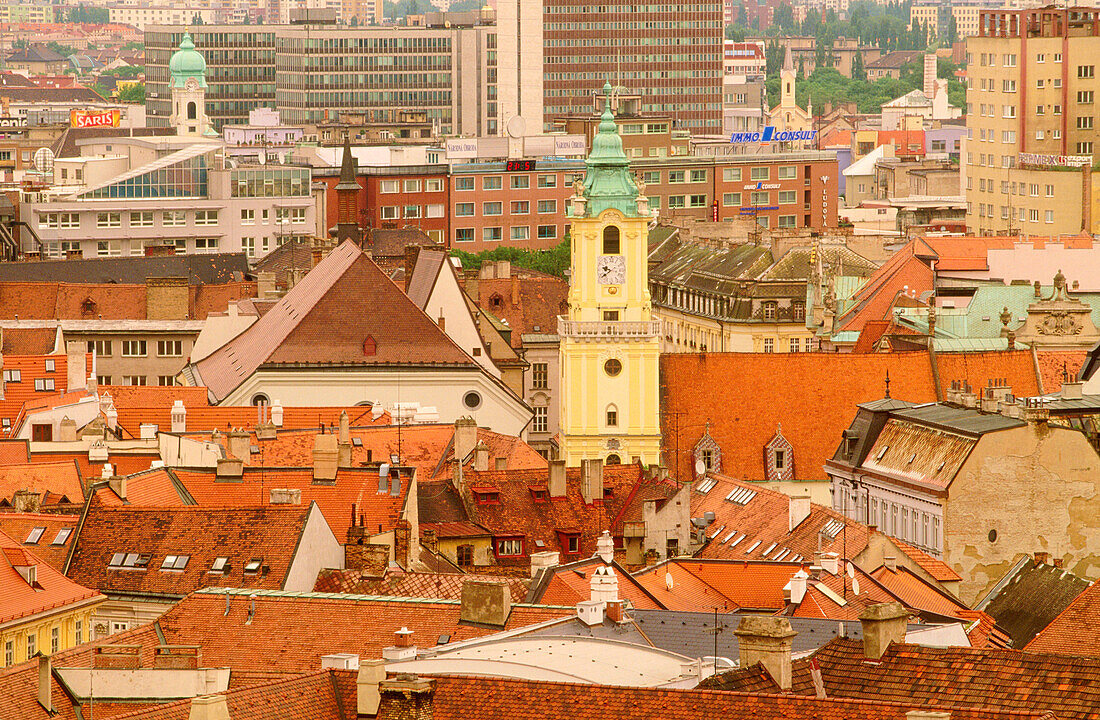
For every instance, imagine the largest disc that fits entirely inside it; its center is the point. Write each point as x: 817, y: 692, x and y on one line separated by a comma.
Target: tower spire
x: 347, y: 198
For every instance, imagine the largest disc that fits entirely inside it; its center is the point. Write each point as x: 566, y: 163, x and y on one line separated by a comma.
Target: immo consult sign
x: 769, y: 134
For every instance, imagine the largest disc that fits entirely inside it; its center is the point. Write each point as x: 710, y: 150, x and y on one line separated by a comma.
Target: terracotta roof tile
x: 443, y: 586
x: 1053, y: 363
x: 202, y: 534
x: 18, y: 599
x: 730, y: 586
x: 28, y: 341
x: 935, y: 567
x: 1076, y: 631
x: 14, y: 452
x: 571, y: 583
x: 497, y: 698
x: 53, y: 544
x: 952, y: 678
x: 904, y: 272
x: 61, y: 480
x: 978, y: 368
x: 32, y: 368
x: 528, y: 304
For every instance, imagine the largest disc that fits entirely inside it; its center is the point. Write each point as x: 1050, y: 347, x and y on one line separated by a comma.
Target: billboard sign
x: 770, y: 134
x: 94, y: 118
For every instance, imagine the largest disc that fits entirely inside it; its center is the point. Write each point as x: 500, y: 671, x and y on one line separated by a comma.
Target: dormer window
x: 496, y: 301
x: 539, y: 494
x: 62, y: 536
x: 35, y: 536
x: 221, y: 565
x: 508, y: 547
x: 570, y: 542
x: 487, y: 497
x: 780, y: 459
x: 253, y: 566
x: 771, y: 310
x: 134, y: 561
x: 175, y: 562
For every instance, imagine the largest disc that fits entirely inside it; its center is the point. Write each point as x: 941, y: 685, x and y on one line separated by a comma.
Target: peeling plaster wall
x: 1039, y: 488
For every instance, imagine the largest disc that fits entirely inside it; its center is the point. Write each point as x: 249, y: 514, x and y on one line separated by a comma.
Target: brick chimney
x: 485, y: 602
x: 407, y: 697
x: 883, y: 624
x: 557, y: 479
x: 465, y: 436
x: 767, y: 640
x: 45, y: 683
x: 209, y: 707
x: 76, y: 369
x: 798, y: 510
x: 325, y: 456
x: 592, y: 480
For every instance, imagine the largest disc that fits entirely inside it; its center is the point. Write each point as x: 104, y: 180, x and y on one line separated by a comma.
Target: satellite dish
x: 851, y: 571
x: 855, y: 586
x: 700, y: 468
x: 517, y: 126
x: 43, y: 160
x: 668, y: 581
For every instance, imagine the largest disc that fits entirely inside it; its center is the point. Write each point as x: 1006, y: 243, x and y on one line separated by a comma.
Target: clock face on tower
x: 610, y: 269
x: 191, y: 84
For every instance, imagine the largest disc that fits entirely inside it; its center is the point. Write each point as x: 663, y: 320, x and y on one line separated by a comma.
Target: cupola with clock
x: 609, y: 339
x: 187, y: 68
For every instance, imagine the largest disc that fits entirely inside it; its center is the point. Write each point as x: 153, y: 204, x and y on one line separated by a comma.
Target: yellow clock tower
x: 609, y: 340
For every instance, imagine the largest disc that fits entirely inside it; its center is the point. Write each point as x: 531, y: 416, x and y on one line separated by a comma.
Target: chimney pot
x: 882, y: 624
x: 556, y: 478
x: 767, y: 640
x: 45, y: 683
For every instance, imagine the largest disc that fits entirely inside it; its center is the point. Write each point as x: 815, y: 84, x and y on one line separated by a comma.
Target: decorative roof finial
x: 887, y: 383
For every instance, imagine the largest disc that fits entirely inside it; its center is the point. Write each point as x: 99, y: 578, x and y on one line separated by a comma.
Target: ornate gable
x: 778, y: 458
x: 708, y: 451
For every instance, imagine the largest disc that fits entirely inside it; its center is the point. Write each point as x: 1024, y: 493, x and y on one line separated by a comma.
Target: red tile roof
x: 1076, y: 631
x: 51, y: 590
x: 935, y: 567
x: 55, y: 482
x: 316, y: 696
x: 529, y: 304
x: 497, y: 698
x: 18, y: 526
x: 811, y: 396
x: 1053, y: 363
x: 731, y: 586
x: 31, y: 368
x: 14, y: 452
x: 28, y: 341
x: 398, y: 583
x: 202, y: 533
x: 311, y: 325
x: 952, y: 678
x: 571, y: 583
x: 907, y: 272
x: 107, y: 301
x: 873, y: 330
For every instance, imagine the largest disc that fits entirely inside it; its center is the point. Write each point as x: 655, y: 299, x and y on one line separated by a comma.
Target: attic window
x: 253, y: 565
x: 705, y: 486
x: 50, y: 365
x: 35, y: 536
x: 44, y: 384
x: 220, y: 565
x: 608, y: 492
x: 370, y: 347
x: 753, y: 547
x: 508, y: 547
x: 912, y: 458
x: 88, y: 307
x: 13, y: 376
x: 570, y: 543
x: 741, y: 496
x: 487, y: 497
x: 768, y: 551
x: 780, y: 459
x: 496, y: 302
x: 851, y: 445
x: 62, y: 536
x: 128, y: 560
x: 882, y: 452
x: 539, y: 495
x: 832, y: 528
x: 174, y: 562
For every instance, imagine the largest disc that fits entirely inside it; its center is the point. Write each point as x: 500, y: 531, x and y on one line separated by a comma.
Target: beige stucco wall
x: 318, y: 550
x: 1039, y: 488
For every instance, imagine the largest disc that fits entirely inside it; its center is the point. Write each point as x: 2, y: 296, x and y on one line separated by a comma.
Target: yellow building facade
x: 47, y: 632
x: 610, y: 342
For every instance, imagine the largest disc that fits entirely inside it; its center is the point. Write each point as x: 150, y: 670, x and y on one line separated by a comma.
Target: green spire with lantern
x: 607, y: 180
x: 187, y: 63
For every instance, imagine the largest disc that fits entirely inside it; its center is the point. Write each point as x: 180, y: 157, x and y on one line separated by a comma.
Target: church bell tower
x: 609, y: 339
x: 188, y: 85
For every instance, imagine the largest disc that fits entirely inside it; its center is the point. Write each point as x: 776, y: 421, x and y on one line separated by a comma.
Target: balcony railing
x: 608, y: 329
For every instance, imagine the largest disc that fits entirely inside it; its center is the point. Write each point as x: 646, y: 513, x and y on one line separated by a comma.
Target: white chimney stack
x: 179, y: 417
x: 798, y: 586
x: 799, y: 510
x: 605, y: 547
x: 277, y: 413
x: 605, y: 585
x: 830, y: 563
x: 590, y: 612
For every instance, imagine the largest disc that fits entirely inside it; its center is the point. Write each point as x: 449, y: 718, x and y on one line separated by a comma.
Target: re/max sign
x: 768, y: 134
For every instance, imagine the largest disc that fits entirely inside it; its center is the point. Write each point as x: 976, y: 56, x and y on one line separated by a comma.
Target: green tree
x: 773, y: 59
x: 858, y: 71
x: 196, y: 19
x: 735, y: 33
x: 783, y: 18
x: 554, y: 261
x: 132, y: 94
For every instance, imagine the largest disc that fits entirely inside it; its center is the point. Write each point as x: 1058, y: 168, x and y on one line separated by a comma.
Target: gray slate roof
x: 1029, y: 597
x: 215, y: 268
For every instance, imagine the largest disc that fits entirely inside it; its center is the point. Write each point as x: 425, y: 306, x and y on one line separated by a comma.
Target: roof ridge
x: 353, y: 597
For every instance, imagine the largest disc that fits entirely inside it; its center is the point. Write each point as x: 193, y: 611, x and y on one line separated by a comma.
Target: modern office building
x: 449, y: 69
x: 1031, y: 121
x: 670, y: 55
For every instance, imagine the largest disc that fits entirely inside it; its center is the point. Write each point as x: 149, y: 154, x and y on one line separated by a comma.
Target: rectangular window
x: 412, y: 211
x: 166, y: 380
x: 760, y: 173
x: 788, y: 172
x: 174, y: 218
x: 389, y: 212
x: 433, y: 185
x: 141, y: 219
x: 248, y: 244
x: 677, y: 201
x: 769, y: 345
x: 794, y: 345
x: 546, y: 207
x: 731, y: 199
x: 1084, y: 122
x: 206, y: 217
x: 520, y: 232
x: 109, y: 248
x: 108, y: 220
x: 104, y: 380
x: 1033, y: 215
x: 761, y: 197
x: 464, y: 234
x: 510, y: 547
x: 170, y: 348
x: 540, y: 376
x: 206, y: 244
x: 464, y: 209
x: 540, y: 424
x: 102, y: 348
x: 79, y: 631
x: 9, y: 653
x: 548, y: 181
x: 520, y: 182
x: 55, y: 639
x: 491, y: 182
x: 248, y: 216
x: 1048, y: 216
x: 677, y: 176
x: 548, y: 232
x: 1086, y: 71
x: 412, y: 186
x: 698, y: 176
x: 1084, y: 97
x: 1008, y: 111
x: 133, y: 380
x: 697, y: 201
x: 651, y: 177
x: 133, y: 348
x: 389, y: 186
x: 464, y: 183
x: 786, y: 221
x: 520, y: 207
x: 788, y: 197
x: 492, y: 208
x: 1084, y: 148
x: 32, y: 644
x: 1050, y: 191
x: 491, y: 234
x: 731, y: 174
x: 1008, y: 86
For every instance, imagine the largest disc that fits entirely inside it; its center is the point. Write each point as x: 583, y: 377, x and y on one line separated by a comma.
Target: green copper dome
x: 187, y: 62
x: 607, y: 182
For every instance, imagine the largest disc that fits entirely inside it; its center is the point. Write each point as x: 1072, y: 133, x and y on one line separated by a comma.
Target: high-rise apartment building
x: 311, y: 73
x: 1032, y: 121
x: 670, y: 55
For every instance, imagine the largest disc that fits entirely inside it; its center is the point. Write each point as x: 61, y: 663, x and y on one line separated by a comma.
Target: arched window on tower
x: 611, y: 240
x: 192, y: 110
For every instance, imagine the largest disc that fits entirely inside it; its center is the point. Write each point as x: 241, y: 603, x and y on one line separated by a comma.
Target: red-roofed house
x: 145, y: 559
x: 31, y: 486
x: 47, y: 535
x: 1076, y: 630
x: 41, y: 610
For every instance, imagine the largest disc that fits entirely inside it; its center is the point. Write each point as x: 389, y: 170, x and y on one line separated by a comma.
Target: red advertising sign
x: 94, y: 118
